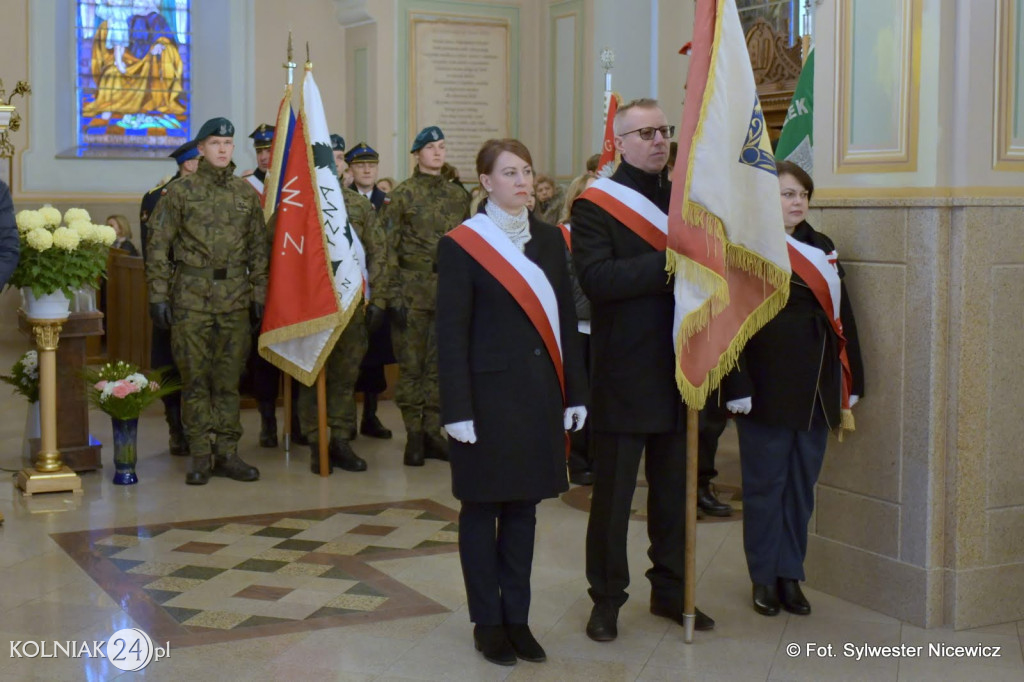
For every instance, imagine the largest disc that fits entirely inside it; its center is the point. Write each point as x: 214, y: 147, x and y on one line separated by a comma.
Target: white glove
x: 854, y: 399
x: 574, y: 418
x: 462, y: 431
x: 739, y: 406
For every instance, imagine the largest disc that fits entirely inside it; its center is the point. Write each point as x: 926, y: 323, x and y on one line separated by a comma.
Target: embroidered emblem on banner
x: 757, y: 151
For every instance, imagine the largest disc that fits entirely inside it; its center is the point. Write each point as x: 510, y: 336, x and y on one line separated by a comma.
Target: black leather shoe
x: 492, y: 642
x: 710, y: 504
x: 435, y: 447
x: 766, y: 599
x: 232, y: 466
x: 524, y: 643
x: 268, y: 432
x: 343, y: 457
x: 178, y: 445
x: 314, y: 458
x: 792, y: 597
x: 603, y: 623
x: 414, y: 454
x: 702, y: 621
x: 199, y: 472
x: 583, y: 477
x: 373, y: 428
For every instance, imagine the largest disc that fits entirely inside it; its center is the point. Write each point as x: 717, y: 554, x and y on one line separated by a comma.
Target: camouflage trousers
x: 210, y: 350
x: 418, y: 394
x: 340, y: 373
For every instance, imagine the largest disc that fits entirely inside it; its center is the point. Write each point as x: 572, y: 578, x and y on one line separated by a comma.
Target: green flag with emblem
x: 797, y: 138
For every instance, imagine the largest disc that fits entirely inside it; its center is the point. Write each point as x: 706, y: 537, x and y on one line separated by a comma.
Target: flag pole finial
x: 607, y: 62
x: 289, y: 66
x: 309, y: 63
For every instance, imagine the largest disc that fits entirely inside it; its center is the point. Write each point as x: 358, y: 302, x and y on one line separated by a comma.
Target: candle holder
x: 49, y: 474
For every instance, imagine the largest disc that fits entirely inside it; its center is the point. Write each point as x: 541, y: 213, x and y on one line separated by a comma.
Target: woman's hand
x: 739, y: 406
x: 462, y: 431
x: 574, y: 418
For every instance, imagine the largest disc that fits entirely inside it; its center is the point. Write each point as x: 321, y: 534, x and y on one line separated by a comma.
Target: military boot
x: 314, y: 458
x: 414, y: 453
x: 371, y: 425
x: 297, y: 436
x: 234, y: 467
x: 178, y: 444
x: 435, y: 447
x: 344, y: 457
x: 199, y: 472
x: 268, y: 424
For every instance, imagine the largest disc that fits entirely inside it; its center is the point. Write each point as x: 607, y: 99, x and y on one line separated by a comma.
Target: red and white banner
x: 726, y: 240
x: 606, y: 166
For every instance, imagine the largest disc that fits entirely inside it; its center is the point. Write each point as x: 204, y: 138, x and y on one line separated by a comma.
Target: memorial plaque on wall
x: 460, y: 72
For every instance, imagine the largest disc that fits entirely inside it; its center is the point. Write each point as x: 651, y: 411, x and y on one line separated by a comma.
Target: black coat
x: 377, y: 196
x: 791, y: 368
x: 10, y: 243
x: 495, y: 370
x: 632, y: 363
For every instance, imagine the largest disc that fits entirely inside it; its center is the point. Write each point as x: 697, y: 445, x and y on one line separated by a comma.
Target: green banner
x: 797, y: 138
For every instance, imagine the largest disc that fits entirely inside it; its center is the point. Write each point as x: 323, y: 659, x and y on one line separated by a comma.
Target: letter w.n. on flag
x: 726, y: 240
x: 316, y: 261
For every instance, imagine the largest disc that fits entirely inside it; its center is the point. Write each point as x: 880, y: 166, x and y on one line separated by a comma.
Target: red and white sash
x: 490, y: 247
x: 566, y: 230
x: 819, y: 272
x: 632, y: 209
x: 257, y: 184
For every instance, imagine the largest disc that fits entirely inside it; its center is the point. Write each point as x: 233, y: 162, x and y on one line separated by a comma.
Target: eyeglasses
x: 790, y: 194
x: 647, y: 133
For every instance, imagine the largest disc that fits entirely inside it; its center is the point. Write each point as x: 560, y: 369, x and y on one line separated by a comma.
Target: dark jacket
x: 10, y: 244
x: 148, y: 206
x: 495, y: 370
x: 790, y: 368
x: 377, y: 196
x: 632, y: 365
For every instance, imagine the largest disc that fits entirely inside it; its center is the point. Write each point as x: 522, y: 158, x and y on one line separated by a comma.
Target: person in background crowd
x: 207, y: 273
x: 592, y: 165
x: 797, y: 379
x: 10, y: 244
x: 364, y: 162
x: 422, y: 209
x: 262, y: 141
x: 635, y: 403
x: 160, y: 355
x: 338, y: 149
x: 510, y: 390
x: 124, y: 234
x: 550, y: 199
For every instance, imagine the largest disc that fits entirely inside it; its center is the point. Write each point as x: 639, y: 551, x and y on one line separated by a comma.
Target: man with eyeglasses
x: 619, y: 237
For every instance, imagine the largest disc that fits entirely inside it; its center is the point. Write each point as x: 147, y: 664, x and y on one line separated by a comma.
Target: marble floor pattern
x: 67, y: 562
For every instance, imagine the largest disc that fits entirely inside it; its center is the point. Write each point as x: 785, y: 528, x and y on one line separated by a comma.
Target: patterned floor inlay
x: 578, y: 497
x: 218, y: 580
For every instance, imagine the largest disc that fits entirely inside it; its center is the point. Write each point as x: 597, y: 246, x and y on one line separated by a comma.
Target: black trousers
x: 580, y: 457
x: 780, y: 467
x: 496, y: 550
x: 713, y: 419
x: 616, y: 461
x: 261, y: 379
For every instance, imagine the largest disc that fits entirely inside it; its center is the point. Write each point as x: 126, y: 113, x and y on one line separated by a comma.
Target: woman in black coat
x: 797, y: 380
x: 512, y: 384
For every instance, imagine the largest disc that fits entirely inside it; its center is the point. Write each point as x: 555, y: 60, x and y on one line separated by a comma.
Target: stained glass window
x: 134, y: 73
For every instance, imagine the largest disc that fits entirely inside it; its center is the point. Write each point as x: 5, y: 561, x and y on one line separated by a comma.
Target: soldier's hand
x: 401, y: 316
x: 160, y: 313
x: 256, y: 315
x: 375, y: 318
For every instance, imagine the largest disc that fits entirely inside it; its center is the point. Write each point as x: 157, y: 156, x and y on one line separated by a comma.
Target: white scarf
x: 515, y: 227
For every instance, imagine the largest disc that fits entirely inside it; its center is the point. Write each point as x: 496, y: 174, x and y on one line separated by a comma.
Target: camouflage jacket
x: 209, y: 220
x: 364, y: 219
x: 421, y: 211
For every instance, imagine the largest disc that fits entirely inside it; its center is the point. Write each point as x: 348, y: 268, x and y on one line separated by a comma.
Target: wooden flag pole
x: 287, y: 411
x: 321, y: 422
x: 690, y: 558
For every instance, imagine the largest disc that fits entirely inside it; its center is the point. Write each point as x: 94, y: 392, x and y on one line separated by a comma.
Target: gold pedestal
x: 49, y: 474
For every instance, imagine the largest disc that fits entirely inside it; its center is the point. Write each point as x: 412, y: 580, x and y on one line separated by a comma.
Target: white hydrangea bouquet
x: 24, y: 376
x: 122, y: 391
x: 57, y: 256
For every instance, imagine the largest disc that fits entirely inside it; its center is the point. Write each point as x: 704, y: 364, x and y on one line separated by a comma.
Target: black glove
x: 160, y: 313
x: 400, y: 316
x: 256, y: 315
x: 375, y: 318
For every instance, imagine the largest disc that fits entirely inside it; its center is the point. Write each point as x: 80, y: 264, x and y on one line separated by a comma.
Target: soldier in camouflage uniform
x: 422, y: 209
x: 207, y: 273
x: 342, y: 366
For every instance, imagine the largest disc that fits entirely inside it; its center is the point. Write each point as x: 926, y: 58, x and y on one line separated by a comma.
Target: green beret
x: 220, y: 126
x: 426, y: 136
x: 337, y: 143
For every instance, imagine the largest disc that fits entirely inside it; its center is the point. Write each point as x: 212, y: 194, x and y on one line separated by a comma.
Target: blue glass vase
x: 126, y: 439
